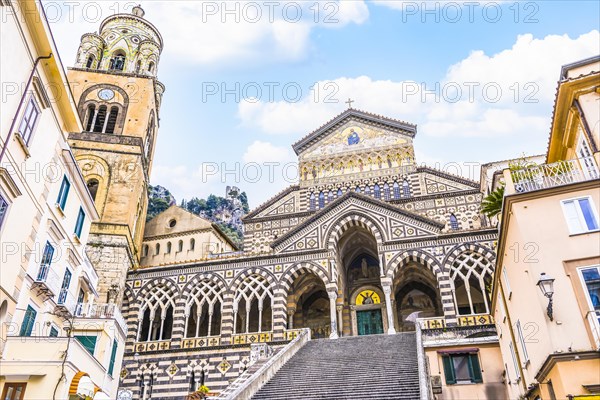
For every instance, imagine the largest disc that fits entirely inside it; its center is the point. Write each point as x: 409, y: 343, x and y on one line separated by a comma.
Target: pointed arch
x: 349, y: 220
x: 418, y: 256
x: 290, y: 275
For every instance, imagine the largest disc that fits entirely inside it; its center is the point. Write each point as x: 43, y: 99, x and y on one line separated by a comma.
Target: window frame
x: 473, y: 367
x: 506, y: 282
x: 63, y: 193
x: 113, y: 358
x: 79, y: 223
x: 580, y: 215
x: 513, y: 354
x: 591, y: 308
x: 14, y: 385
x: 522, y: 342
x: 38, y: 111
x: 79, y: 339
x: 3, y: 212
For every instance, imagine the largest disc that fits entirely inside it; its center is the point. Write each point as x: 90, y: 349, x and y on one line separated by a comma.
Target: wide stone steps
x: 367, y: 367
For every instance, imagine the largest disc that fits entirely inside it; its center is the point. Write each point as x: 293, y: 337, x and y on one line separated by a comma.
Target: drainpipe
x: 12, y: 125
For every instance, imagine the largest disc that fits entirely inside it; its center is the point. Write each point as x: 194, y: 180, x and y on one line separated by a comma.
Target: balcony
x: 479, y: 328
x: 550, y: 175
x: 46, y: 282
x: 66, y: 304
x: 101, y: 311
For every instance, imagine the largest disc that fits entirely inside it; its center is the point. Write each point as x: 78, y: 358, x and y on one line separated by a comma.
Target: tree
x: 491, y: 205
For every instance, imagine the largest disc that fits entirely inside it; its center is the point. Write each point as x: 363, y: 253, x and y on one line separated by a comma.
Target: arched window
x: 252, y: 306
x: 92, y: 186
x: 180, y: 246
x: 454, y: 222
x: 157, y: 249
x: 168, y: 247
x: 377, y: 191
x: 339, y: 193
x: 396, y: 190
x: 471, y: 279
x: 386, y: 191
x: 367, y: 190
x: 112, y: 119
x: 145, y: 251
x: 151, y: 67
x: 357, y: 190
x: 100, y: 119
x: 138, y: 66
x: 405, y: 189
x: 156, y: 322
x: 321, y: 200
x: 91, y: 112
x: 117, y: 62
x: 90, y: 61
x: 312, y: 202
x: 203, y: 312
x: 192, y: 244
x: 330, y: 197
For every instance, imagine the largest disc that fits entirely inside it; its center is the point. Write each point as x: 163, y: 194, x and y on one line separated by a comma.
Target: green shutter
x: 113, y: 356
x: 89, y: 342
x: 28, y: 321
x: 449, y: 370
x: 475, y: 369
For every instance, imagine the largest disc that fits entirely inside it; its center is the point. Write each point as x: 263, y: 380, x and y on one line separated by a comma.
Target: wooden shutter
x: 475, y: 368
x: 449, y: 370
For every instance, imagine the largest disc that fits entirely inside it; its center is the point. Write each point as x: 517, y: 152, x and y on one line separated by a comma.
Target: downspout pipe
x: 14, y: 121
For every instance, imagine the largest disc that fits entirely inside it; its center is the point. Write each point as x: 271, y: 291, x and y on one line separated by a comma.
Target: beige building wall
x: 490, y: 360
x: 178, y: 236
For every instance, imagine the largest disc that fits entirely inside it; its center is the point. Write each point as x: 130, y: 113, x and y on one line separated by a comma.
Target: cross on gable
x: 349, y: 102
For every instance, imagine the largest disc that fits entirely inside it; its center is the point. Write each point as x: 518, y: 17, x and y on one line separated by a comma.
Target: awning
x: 82, y: 385
x: 470, y: 350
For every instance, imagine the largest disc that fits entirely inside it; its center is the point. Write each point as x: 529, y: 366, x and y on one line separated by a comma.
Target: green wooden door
x: 369, y: 322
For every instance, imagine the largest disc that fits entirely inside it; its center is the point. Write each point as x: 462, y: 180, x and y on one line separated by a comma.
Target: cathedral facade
x: 366, y: 238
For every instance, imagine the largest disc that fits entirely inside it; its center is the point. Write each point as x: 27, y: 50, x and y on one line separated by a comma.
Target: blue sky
x: 382, y: 54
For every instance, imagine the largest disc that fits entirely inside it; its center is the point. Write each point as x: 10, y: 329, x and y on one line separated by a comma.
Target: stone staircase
x: 364, y: 367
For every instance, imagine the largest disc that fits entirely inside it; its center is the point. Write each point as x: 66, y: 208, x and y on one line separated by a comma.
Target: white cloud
x: 264, y: 152
x: 508, y: 93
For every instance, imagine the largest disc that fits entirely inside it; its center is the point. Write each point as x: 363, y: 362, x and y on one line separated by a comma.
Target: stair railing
x: 424, y: 381
x: 258, y: 379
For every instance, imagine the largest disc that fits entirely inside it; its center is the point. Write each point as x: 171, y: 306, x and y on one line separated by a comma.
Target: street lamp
x: 546, y: 285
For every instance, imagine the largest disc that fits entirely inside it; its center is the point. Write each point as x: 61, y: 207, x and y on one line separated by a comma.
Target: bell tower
x: 118, y: 95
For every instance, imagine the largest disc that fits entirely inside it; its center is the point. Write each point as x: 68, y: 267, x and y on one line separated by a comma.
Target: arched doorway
x: 308, y: 306
x: 359, y: 280
x: 416, y: 291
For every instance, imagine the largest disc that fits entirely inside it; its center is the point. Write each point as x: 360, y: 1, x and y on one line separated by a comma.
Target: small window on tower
x: 91, y: 112
x: 90, y: 61
x: 92, y: 186
x: 151, y: 67
x: 117, y: 62
x: 100, y: 119
x: 112, y: 120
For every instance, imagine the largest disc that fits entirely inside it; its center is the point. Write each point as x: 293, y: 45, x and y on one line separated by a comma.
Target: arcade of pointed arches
x: 358, y: 301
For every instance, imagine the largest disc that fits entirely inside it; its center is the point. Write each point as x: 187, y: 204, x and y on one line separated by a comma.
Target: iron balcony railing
x: 48, y: 280
x: 66, y: 301
x: 556, y: 174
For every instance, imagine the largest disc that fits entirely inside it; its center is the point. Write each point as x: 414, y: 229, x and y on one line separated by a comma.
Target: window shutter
x: 28, y: 321
x: 113, y: 356
x: 449, y: 370
x: 89, y: 342
x: 475, y: 368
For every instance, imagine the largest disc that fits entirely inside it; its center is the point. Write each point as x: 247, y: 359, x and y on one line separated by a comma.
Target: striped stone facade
x: 312, y: 246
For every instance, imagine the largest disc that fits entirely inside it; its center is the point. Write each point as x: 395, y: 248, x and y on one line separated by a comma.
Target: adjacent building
x: 546, y: 296
x: 56, y: 340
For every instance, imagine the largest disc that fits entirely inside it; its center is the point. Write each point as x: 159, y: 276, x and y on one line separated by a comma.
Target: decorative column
x: 387, y: 291
x: 290, y: 312
x: 332, y: 314
x: 340, y: 309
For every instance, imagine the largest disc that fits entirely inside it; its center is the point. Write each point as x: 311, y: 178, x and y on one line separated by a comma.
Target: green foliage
x: 156, y: 205
x: 491, y: 205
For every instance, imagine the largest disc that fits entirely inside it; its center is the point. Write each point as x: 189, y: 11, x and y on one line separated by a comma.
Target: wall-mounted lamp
x: 546, y: 285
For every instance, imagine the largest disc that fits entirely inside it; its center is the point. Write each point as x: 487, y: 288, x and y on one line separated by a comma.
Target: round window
x: 172, y: 223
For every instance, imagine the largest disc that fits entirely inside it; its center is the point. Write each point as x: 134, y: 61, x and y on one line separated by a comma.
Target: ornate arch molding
x: 349, y: 220
x: 187, y: 290
x: 465, y: 248
x: 287, y: 279
x: 418, y: 256
x: 270, y: 278
x: 149, y: 286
